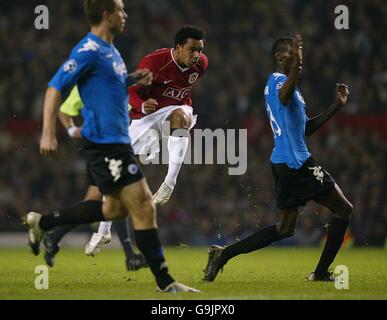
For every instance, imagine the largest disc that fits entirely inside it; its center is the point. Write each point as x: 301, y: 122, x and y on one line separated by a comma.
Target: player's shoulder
x: 159, y: 54
x: 89, y: 46
x: 203, y: 62
x: 276, y: 77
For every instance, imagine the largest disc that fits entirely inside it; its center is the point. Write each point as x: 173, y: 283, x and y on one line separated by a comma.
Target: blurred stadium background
x: 209, y: 206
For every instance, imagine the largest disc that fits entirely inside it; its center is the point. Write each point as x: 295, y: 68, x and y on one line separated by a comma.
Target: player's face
x: 189, y: 53
x: 118, y: 17
x: 286, y: 58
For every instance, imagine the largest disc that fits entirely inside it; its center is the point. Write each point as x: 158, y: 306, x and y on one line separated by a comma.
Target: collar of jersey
x: 181, y: 69
x: 95, y: 37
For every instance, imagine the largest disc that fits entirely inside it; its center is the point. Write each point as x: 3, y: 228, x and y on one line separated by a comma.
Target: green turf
x: 272, y: 273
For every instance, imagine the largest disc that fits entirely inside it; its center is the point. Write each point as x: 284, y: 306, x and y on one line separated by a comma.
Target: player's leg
x: 219, y: 256
x: 180, y: 122
x: 113, y: 210
x: 85, y: 212
x: 137, y: 199
x: 109, y: 174
x: 101, y: 237
x: 52, y: 238
x: 133, y: 261
x: 341, y: 211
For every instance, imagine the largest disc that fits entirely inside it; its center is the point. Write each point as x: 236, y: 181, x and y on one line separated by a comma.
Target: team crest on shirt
x: 193, y: 77
x: 70, y: 66
x: 120, y: 68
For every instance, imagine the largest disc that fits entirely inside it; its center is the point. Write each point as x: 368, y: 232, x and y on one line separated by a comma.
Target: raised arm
x: 287, y: 90
x: 316, y: 123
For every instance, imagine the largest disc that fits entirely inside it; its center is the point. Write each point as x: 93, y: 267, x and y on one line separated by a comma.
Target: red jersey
x: 172, y: 84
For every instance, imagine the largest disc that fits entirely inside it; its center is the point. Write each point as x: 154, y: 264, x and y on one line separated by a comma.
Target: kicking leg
x: 178, y: 142
x: 342, y: 210
x: 219, y: 256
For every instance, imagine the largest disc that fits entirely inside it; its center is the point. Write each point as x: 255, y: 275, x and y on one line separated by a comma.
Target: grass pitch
x: 271, y: 273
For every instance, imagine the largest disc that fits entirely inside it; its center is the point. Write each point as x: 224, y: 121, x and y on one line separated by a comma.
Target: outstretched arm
x: 287, y: 90
x: 316, y: 123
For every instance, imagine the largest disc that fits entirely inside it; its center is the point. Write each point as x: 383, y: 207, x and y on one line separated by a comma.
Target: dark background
x: 208, y: 205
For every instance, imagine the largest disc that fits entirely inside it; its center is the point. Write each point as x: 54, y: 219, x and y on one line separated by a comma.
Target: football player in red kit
x: 168, y: 98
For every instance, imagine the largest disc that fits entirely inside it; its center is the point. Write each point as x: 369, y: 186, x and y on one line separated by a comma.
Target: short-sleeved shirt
x: 288, y: 124
x: 98, y: 70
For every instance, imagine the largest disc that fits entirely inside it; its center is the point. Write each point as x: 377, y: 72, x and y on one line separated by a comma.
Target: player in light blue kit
x: 298, y: 177
x: 98, y: 70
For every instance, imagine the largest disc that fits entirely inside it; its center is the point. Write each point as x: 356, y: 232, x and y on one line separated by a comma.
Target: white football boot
x: 35, y: 233
x: 162, y: 196
x: 96, y: 242
x: 175, y: 287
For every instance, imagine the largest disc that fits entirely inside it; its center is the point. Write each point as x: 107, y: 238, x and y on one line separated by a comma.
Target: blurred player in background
x: 98, y: 69
x: 298, y: 177
x: 72, y: 108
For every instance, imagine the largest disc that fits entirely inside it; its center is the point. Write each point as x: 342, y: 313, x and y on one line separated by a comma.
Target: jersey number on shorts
x: 273, y: 123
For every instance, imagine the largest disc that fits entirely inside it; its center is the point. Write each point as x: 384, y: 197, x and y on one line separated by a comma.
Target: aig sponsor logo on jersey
x: 178, y: 94
x: 193, y: 77
x: 120, y: 68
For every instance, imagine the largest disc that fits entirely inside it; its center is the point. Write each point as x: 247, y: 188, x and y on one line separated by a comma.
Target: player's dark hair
x: 95, y: 8
x: 188, y: 32
x: 279, y: 44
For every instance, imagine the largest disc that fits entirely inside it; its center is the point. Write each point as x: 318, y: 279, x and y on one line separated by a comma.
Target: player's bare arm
x: 291, y: 62
x: 315, y: 123
x: 48, y: 141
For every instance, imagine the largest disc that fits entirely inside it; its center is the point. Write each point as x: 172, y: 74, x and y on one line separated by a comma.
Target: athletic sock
x: 148, y: 243
x: 59, y: 232
x: 122, y: 229
x: 177, y: 148
x: 84, y: 212
x: 104, y: 227
x: 258, y: 240
x: 335, y: 237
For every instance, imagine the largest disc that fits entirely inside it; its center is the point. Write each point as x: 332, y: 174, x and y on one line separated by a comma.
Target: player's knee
x: 179, y: 119
x: 146, y: 213
x: 149, y: 210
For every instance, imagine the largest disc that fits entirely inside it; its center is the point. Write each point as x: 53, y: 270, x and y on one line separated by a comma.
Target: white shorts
x: 145, y: 133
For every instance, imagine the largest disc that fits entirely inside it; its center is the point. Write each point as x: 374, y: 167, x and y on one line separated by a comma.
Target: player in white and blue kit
x: 298, y: 177
x: 98, y: 70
